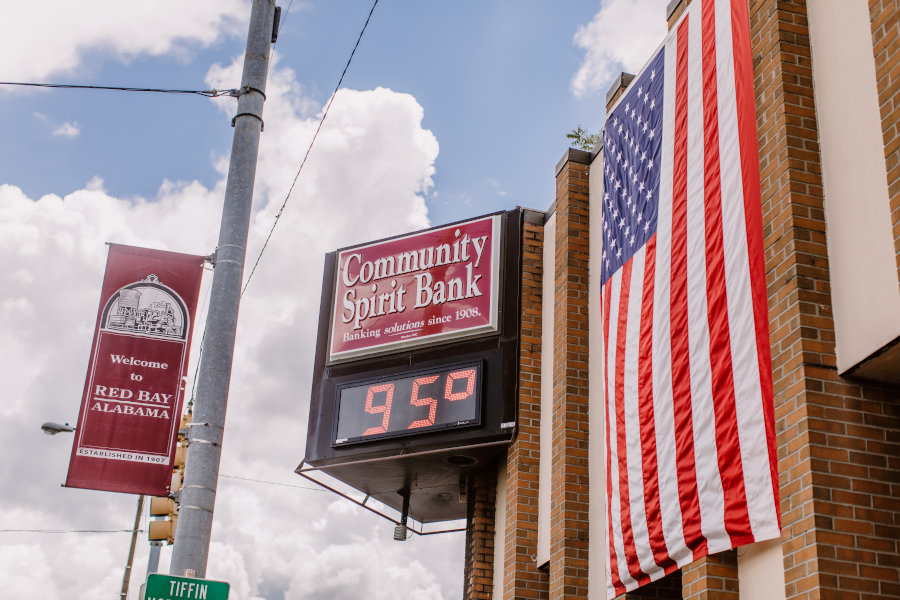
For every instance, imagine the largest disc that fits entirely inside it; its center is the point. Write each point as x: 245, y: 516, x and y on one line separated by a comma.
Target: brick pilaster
x: 838, y: 455
x: 479, y: 565
x: 522, y: 579
x: 885, y: 16
x: 569, y: 491
x: 713, y: 577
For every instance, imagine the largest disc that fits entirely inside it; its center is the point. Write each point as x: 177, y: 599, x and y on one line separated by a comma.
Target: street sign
x: 167, y: 587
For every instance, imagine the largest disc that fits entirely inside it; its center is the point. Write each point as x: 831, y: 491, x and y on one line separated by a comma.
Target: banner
x: 687, y: 378
x: 133, y: 393
x: 426, y: 287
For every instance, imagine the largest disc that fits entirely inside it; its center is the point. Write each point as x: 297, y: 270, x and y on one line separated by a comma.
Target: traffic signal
x: 167, y: 507
x: 163, y: 529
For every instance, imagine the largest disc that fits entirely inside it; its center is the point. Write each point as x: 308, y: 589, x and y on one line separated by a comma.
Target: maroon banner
x: 431, y: 286
x: 133, y: 393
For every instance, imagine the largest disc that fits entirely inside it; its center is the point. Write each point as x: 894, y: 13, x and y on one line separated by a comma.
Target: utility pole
x: 198, y: 494
x: 126, y: 578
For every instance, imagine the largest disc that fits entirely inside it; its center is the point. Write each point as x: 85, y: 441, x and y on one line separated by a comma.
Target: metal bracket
x: 304, y: 473
x: 262, y: 124
x: 246, y: 89
x: 199, y: 441
x: 211, y: 258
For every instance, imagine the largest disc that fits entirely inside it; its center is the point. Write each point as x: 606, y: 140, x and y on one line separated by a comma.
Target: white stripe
x: 615, y: 510
x: 663, y: 409
x: 633, y: 416
x: 606, y: 451
x: 747, y: 387
x: 709, y: 483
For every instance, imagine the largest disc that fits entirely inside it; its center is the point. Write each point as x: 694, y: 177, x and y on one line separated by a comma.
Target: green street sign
x: 168, y: 587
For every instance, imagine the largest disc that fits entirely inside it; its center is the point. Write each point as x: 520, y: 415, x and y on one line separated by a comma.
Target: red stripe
x: 728, y: 448
x: 648, y: 420
x: 681, y: 373
x: 613, y: 557
x: 748, y: 141
x: 634, y: 567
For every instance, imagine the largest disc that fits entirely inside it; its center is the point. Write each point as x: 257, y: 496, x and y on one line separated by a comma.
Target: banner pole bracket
x: 211, y: 258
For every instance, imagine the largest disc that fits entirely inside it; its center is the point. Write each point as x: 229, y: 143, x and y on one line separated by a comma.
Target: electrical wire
x: 290, y: 485
x: 206, y: 298
x: 284, y: 16
x: 69, y: 86
x: 309, y: 148
x: 69, y: 530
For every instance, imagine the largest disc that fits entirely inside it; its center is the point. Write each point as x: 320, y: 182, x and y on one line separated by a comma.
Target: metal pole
x: 153, y: 559
x: 126, y: 578
x: 152, y: 565
x: 198, y: 494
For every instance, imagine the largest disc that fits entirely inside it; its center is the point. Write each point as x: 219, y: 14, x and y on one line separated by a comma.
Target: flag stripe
x: 648, y: 421
x: 612, y: 466
x: 712, y: 506
x: 633, y: 419
x: 749, y: 166
x: 726, y: 429
x: 634, y: 568
x: 681, y: 376
x: 750, y: 400
x: 663, y: 400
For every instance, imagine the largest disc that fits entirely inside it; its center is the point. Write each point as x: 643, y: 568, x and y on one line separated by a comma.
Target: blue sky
x: 494, y: 82
x: 449, y: 111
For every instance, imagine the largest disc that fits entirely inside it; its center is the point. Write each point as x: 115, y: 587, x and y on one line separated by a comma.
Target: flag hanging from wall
x: 687, y: 378
x: 131, y: 405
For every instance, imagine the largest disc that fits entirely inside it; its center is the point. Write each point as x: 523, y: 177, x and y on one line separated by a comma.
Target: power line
x: 69, y: 530
x: 309, y: 148
x: 70, y: 86
x: 284, y: 16
x: 290, y: 485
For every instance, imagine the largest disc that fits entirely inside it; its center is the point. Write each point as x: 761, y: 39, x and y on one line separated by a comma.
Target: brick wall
x: 885, y: 15
x: 569, y: 491
x: 479, y: 563
x: 522, y: 579
x: 838, y: 450
x: 713, y: 577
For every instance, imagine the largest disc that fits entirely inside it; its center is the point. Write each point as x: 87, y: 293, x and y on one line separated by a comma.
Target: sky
x: 448, y: 111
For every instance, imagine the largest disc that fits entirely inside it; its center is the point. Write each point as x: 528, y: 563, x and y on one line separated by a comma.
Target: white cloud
x: 67, y: 129
x: 620, y: 37
x: 34, y: 48
x: 366, y: 178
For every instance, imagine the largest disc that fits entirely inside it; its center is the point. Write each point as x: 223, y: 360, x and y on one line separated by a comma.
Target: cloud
x: 620, y: 37
x: 366, y: 178
x: 56, y: 46
x: 69, y: 130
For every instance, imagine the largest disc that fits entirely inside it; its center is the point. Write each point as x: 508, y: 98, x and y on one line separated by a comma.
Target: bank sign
x: 432, y: 286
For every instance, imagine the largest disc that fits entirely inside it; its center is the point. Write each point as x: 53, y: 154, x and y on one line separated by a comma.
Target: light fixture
x: 401, y: 531
x: 51, y: 428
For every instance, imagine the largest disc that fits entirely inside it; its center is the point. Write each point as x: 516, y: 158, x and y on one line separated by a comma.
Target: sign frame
x: 439, y: 459
x: 491, y: 326
x: 474, y: 422
x: 211, y: 590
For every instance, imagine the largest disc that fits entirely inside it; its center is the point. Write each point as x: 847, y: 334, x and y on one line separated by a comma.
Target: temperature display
x: 411, y: 404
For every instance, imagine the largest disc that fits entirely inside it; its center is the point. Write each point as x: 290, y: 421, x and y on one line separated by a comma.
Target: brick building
x: 827, y: 88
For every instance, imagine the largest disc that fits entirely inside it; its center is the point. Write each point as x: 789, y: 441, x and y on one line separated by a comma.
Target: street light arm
x: 51, y: 428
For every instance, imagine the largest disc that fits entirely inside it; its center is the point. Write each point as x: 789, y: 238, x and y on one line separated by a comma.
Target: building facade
x: 827, y: 91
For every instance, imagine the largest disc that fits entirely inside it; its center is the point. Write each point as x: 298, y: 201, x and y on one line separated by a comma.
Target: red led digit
x: 385, y: 408
x: 430, y: 402
x: 470, y: 385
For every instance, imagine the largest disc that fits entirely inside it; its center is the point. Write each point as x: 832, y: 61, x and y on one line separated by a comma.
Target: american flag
x: 687, y: 378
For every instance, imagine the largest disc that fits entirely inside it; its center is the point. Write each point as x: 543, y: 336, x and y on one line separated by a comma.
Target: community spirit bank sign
x: 431, y: 286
